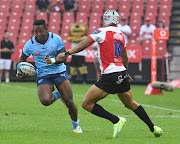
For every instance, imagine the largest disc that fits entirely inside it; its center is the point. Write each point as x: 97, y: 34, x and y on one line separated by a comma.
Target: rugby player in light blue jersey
x: 44, y: 47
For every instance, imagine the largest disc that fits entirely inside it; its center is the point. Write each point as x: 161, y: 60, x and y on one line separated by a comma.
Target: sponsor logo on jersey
x: 63, y: 74
x: 96, y: 32
x: 39, y: 81
x: 118, y: 36
x: 37, y: 53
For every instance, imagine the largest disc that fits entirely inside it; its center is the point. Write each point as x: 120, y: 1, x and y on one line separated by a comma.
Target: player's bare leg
x: 66, y: 91
x: 128, y: 101
x: 89, y: 103
x: 45, y: 94
x: 93, y: 95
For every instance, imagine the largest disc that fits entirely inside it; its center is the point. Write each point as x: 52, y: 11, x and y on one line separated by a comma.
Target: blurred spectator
x: 58, y: 7
x: 78, y: 63
x: 125, y: 29
x: 146, y: 31
x: 7, y: 47
x: 161, y: 24
x: 42, y: 5
x: 95, y: 47
x: 70, y: 5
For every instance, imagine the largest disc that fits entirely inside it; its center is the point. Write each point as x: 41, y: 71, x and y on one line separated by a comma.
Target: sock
x: 140, y: 112
x: 57, y: 95
x: 101, y: 112
x: 7, y: 80
x: 75, y: 123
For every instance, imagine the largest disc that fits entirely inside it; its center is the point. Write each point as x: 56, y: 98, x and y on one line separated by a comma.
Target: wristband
x: 53, y: 60
x: 67, y: 53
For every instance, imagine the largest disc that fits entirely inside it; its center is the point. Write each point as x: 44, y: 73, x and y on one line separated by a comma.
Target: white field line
x: 156, y: 107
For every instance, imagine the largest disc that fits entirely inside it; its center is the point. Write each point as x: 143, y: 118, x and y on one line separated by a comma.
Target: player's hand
x: 22, y: 76
x: 47, y: 59
x: 130, y: 78
x: 61, y: 55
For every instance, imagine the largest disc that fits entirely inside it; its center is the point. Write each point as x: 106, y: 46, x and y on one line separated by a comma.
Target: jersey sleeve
x: 27, y: 48
x: 95, y: 35
x: 60, y: 44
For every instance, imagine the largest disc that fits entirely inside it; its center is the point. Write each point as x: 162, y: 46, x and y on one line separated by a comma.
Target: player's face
x: 40, y: 32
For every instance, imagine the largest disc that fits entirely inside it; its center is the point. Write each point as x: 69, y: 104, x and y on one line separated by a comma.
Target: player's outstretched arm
x: 56, y: 60
x: 79, y: 47
x: 22, y: 58
x: 61, y: 59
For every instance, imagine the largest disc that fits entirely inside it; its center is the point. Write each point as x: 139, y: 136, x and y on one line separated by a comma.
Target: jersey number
x: 117, y: 49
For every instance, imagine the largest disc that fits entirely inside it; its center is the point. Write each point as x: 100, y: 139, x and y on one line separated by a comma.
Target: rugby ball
x: 25, y: 67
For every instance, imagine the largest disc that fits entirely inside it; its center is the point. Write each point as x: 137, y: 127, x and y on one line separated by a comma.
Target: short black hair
x: 40, y: 22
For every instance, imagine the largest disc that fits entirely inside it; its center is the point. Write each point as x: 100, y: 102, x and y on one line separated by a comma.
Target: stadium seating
x: 16, y: 13
x: 82, y: 17
x: 5, y: 2
x: 42, y: 15
x: 24, y: 37
x: 30, y: 2
x: 146, y: 48
x: 54, y: 22
x: 111, y: 5
x: 161, y: 48
x: 124, y: 8
x: 84, y: 6
x: 5, y: 8
x: 94, y: 23
x: 98, y: 6
x: 31, y: 7
x: 124, y: 15
x: 3, y: 22
x: 152, y: 2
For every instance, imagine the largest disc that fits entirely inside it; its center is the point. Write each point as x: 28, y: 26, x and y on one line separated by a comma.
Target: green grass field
x: 24, y: 120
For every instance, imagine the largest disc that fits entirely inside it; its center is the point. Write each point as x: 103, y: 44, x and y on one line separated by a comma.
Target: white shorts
x: 5, y: 64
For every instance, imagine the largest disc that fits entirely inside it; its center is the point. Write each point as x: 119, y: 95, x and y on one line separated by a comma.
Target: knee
x: 84, y: 105
x: 45, y: 101
x: 87, y: 106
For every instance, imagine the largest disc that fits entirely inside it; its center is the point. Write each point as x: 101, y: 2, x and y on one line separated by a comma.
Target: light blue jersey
x: 39, y: 51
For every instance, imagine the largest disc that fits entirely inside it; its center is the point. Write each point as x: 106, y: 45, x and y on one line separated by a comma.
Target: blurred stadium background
x: 17, y: 17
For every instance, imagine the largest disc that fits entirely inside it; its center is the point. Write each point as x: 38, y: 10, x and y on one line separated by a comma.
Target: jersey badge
x: 37, y: 53
x: 96, y: 32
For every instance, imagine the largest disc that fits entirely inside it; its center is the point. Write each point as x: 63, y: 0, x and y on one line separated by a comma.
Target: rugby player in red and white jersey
x: 114, y: 77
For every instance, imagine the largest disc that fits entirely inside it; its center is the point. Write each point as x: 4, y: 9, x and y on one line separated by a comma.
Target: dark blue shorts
x: 54, y: 79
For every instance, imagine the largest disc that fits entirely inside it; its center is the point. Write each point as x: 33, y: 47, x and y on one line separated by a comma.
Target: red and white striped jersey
x: 111, y: 44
